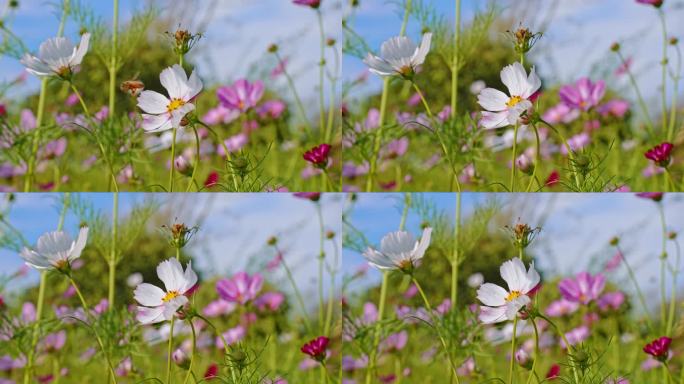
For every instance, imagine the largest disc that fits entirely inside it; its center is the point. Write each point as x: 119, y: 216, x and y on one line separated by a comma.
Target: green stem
x: 640, y: 294
x: 663, y: 264
x: 169, y: 357
x: 571, y: 154
x: 80, y: 100
x: 321, y: 74
x: 223, y: 340
x: 640, y: 98
x: 513, y: 156
x: 197, y: 160
x: 298, y: 100
x: 439, y: 333
x: 456, y: 252
x: 455, y: 61
x: 422, y: 98
x: 113, y: 64
x: 35, y: 141
x: 112, y: 253
x: 298, y: 294
x: 533, y: 372
x: 376, y: 340
x: 537, y: 161
x: 173, y: 159
x: 321, y: 265
x: 663, y: 94
x: 567, y: 345
x: 377, y: 139
x: 673, y: 299
x: 192, y: 356
x: 225, y: 149
x: 513, y: 337
x: 86, y: 309
x: 675, y: 93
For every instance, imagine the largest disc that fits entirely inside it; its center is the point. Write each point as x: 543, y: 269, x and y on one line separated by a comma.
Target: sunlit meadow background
x: 266, y: 143
x: 575, y: 234
x: 257, y: 234
x: 575, y: 43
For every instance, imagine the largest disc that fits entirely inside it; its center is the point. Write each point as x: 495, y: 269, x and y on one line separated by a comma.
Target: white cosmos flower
x: 164, y: 113
x: 56, y: 57
x: 158, y: 305
x: 501, y: 304
x: 399, y: 56
x: 503, y: 110
x: 55, y: 250
x: 399, y: 250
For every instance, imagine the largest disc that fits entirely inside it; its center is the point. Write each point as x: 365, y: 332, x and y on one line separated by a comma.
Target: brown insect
x: 132, y: 87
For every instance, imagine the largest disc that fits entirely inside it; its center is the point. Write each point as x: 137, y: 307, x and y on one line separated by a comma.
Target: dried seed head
x: 524, y: 39
x: 183, y: 40
x: 523, y: 235
x: 179, y: 234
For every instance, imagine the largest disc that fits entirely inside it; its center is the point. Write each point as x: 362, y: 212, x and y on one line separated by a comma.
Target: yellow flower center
x: 60, y: 264
x: 513, y: 295
x: 406, y: 70
x: 513, y: 101
x: 170, y: 296
x: 175, y: 104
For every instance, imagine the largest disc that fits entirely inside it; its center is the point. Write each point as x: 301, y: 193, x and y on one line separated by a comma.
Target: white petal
x: 35, y: 260
x: 533, y: 278
x: 148, y: 295
x: 533, y: 84
x: 190, y: 277
x: 492, y: 295
x: 515, y: 79
x: 513, y: 307
x: 79, y: 53
x: 514, y: 273
x: 493, y: 100
x: 52, y: 243
x: 423, y: 245
x: 55, y: 48
x: 175, y: 81
x: 35, y: 66
x: 194, y: 86
x: 156, y: 122
x: 172, y: 306
x: 150, y: 315
x: 80, y: 243
x: 422, y: 51
x: 153, y: 102
x: 378, y: 66
x: 378, y: 260
x: 493, y: 120
x: 491, y: 315
x: 170, y: 272
x: 397, y: 244
x: 398, y: 48
x: 517, y: 110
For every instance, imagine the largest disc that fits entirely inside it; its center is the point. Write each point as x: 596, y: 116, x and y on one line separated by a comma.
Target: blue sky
x: 574, y: 238
x: 576, y: 43
x: 231, y: 238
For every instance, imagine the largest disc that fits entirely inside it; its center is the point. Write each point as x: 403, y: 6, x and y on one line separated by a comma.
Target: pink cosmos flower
x: 232, y: 336
x: 233, y: 144
x: 271, y: 109
x: 611, y: 300
x: 270, y: 301
x: 54, y: 149
x: 576, y: 336
x: 242, y: 95
x: 659, y: 348
x: 583, y: 95
x: 583, y: 289
x: 394, y: 342
x: 561, y: 113
x: 316, y: 348
x: 616, y: 108
x: 279, y: 69
x: 241, y: 288
x: 614, y: 262
x: 54, y: 341
x: 660, y: 154
x: 561, y: 307
x: 312, y: 196
x: 220, y: 115
x: 576, y: 142
x: 655, y: 196
x: 395, y: 148
x: 219, y: 307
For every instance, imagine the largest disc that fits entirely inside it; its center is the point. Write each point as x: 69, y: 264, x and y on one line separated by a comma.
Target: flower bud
x: 330, y: 235
x: 672, y: 235
x: 181, y: 359
x: 523, y: 359
x: 273, y: 48
x: 272, y: 241
x: 615, y: 47
x: 674, y: 41
x: 615, y: 241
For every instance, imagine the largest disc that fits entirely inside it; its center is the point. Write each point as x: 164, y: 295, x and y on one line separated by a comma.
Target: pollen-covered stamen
x: 170, y: 296
x: 61, y: 264
x: 513, y: 101
x: 405, y: 264
x: 406, y: 70
x: 513, y: 295
x: 64, y: 72
x: 175, y: 104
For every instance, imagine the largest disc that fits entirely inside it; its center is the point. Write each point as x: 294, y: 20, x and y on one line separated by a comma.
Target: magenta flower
x: 576, y: 142
x: 561, y: 113
x: 576, y: 336
x: 655, y: 196
x: 232, y: 336
x: 315, y: 4
x: 561, y: 307
x: 611, y: 300
x: 318, y: 156
x: 54, y: 149
x: 241, y: 96
x: 583, y: 289
x: 584, y: 94
x: 655, y: 3
x: 316, y: 348
x: 394, y: 342
x: 659, y: 348
x: 241, y: 288
x: 218, y: 307
x: 660, y: 154
x: 54, y: 341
